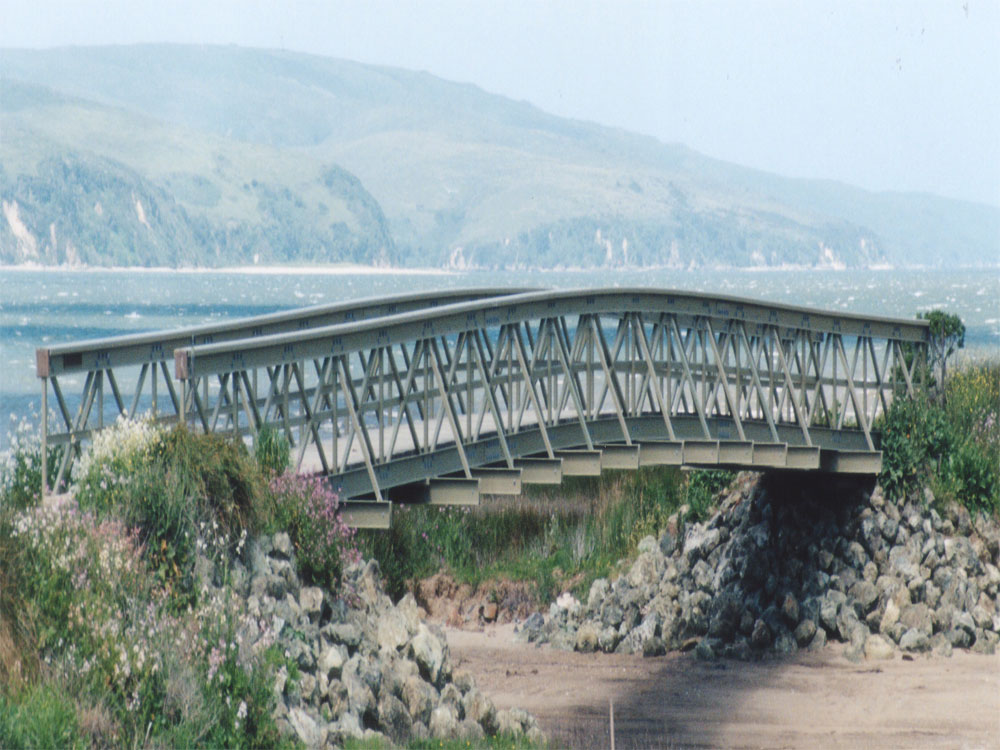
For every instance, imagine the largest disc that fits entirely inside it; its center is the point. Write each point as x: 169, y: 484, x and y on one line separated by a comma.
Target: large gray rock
x: 804, y: 633
x: 790, y: 609
x: 877, y: 647
x: 281, y: 546
x: 645, y: 571
x: 391, y: 632
x: 311, y: 601
x: 646, y: 545
x: 407, y: 608
x: 420, y: 698
x: 586, y: 638
x: 361, y: 699
x: 444, y: 722
x: 509, y: 723
x: 480, y: 709
x: 429, y: 653
x: 702, y: 575
x: 986, y: 642
x: 331, y: 660
x: 864, y: 596
x: 829, y: 607
x: 760, y: 638
x: 915, y: 640
x: 470, y: 732
x: 393, y: 719
x: 918, y: 617
x: 306, y: 728
x: 668, y: 543
x: 607, y: 639
x: 346, y: 633
x: 855, y: 556
x: 598, y: 593
x: 699, y: 542
x: 901, y: 563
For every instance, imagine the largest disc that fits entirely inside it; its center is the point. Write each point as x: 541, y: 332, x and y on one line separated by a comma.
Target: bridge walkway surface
x: 438, y: 398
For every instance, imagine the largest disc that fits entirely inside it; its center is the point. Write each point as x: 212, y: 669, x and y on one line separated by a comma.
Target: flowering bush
x: 233, y: 649
x: 21, y: 467
x: 117, y: 448
x: 100, y: 619
x: 105, y: 627
x: 306, y: 508
x: 168, y: 485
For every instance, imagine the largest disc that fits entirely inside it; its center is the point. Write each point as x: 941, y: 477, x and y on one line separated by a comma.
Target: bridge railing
x: 388, y: 402
x: 123, y: 375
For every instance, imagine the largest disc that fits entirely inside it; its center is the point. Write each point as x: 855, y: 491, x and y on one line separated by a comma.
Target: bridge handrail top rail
x: 181, y: 334
x: 917, y: 329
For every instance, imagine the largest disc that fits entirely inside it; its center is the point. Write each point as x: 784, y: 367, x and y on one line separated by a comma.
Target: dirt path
x: 810, y: 700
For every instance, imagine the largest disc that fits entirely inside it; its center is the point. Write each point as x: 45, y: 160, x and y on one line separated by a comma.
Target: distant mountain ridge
x: 218, y: 155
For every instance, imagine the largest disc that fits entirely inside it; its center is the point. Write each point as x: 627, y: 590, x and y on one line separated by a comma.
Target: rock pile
x: 786, y: 565
x: 365, y: 667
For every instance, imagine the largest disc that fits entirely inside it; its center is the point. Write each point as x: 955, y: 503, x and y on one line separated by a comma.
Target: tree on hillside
x: 947, y: 336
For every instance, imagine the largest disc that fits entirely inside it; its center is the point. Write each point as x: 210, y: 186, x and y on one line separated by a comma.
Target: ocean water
x: 41, y: 308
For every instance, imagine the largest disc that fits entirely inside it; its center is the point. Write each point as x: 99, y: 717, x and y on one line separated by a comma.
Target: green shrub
x: 702, y: 487
x: 40, y: 717
x: 974, y: 477
x: 953, y: 444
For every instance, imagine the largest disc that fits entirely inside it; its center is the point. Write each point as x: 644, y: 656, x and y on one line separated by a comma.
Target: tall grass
x: 557, y: 538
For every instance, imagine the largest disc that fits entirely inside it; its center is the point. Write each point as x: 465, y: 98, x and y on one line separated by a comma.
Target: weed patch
x: 557, y: 538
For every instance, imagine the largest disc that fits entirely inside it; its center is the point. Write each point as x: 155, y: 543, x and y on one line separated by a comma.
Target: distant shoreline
x: 323, y: 270
x: 362, y: 270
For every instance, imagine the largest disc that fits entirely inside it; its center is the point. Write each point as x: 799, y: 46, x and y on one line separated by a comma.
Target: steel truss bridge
x: 440, y: 397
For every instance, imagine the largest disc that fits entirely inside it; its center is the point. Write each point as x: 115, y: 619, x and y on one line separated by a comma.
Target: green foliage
x: 952, y: 443
x: 701, y: 490
x: 973, y: 477
x: 272, y: 451
x: 307, y: 509
x: 38, y: 719
x: 556, y: 537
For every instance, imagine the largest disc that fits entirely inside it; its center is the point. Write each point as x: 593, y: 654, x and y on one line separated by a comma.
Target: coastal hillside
x: 240, y: 154
x: 86, y: 183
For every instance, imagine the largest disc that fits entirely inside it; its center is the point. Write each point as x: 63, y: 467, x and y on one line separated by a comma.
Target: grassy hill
x: 290, y: 156
x: 83, y: 182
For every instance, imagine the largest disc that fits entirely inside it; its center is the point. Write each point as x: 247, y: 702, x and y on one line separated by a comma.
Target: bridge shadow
x: 681, y: 701
x: 677, y: 701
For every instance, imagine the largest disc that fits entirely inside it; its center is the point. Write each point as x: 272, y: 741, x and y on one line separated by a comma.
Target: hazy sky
x: 886, y: 95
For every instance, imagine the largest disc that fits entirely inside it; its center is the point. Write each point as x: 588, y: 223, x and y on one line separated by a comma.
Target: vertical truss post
x: 45, y: 436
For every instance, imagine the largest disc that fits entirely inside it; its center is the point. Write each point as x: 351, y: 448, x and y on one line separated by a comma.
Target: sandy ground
x: 810, y: 700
